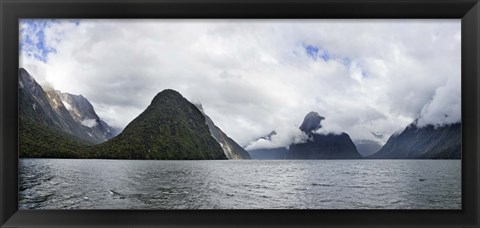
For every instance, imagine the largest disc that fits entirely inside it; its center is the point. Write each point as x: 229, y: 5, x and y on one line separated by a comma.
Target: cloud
x: 377, y: 135
x: 445, y: 106
x: 255, y: 76
x: 284, y: 138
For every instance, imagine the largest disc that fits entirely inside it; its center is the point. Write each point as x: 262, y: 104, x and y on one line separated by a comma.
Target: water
x: 247, y: 184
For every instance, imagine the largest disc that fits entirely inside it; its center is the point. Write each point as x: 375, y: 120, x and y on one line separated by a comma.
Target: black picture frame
x: 466, y: 10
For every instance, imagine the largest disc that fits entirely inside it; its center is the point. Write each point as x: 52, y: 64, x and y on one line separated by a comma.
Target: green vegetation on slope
x: 170, y: 128
x: 37, y: 140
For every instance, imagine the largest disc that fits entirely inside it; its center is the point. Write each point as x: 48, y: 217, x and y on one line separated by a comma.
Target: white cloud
x: 255, y: 76
x: 444, y: 106
x: 285, y: 136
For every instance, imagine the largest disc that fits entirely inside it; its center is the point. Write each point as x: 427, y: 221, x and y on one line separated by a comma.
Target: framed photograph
x: 245, y: 114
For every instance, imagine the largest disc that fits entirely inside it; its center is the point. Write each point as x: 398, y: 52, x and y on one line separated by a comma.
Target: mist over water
x: 241, y: 184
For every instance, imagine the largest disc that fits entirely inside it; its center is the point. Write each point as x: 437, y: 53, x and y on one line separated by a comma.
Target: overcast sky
x: 368, y: 78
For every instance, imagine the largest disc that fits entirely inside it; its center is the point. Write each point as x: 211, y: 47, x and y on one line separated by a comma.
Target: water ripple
x: 307, y: 184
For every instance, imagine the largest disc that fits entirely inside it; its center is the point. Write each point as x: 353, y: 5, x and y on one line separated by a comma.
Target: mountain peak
x: 22, y: 70
x: 269, y: 136
x: 311, y: 122
x: 25, y: 79
x: 170, y: 128
x: 167, y: 94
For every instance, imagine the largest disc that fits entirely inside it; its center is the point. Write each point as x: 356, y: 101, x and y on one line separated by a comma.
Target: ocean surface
x: 245, y: 184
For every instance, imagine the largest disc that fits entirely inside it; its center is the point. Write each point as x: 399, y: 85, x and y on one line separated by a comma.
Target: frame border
x: 467, y: 10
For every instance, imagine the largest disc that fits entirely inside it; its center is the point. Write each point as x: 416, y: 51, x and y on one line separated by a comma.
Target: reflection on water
x: 247, y: 184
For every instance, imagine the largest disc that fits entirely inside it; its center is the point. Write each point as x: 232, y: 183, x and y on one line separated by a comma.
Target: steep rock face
x: 43, y: 130
x: 428, y: 142
x: 231, y: 149
x: 311, y: 122
x: 170, y: 128
x: 367, y: 147
x: 68, y: 123
x: 48, y: 107
x: 83, y: 113
x: 319, y: 146
x: 34, y: 103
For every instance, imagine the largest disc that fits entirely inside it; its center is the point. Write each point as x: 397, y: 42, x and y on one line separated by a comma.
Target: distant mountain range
x: 53, y: 124
x: 322, y: 146
x: 279, y: 153
x: 317, y: 146
x: 269, y: 153
x: 364, y: 147
x: 367, y: 147
x: 429, y: 142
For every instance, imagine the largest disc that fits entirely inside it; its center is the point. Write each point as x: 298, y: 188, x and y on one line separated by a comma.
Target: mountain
x: 319, y: 146
x: 269, y: 136
x: 269, y: 153
x: 311, y: 122
x: 52, y: 124
x: 56, y: 124
x: 429, y: 142
x: 329, y: 146
x: 112, y: 131
x: 45, y: 108
x: 45, y: 131
x: 230, y: 148
x: 170, y: 128
x: 367, y: 147
x: 83, y: 113
x: 64, y: 112
x: 37, y: 140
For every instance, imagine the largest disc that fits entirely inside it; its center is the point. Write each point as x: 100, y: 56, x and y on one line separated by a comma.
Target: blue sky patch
x: 312, y: 51
x: 32, y: 37
x: 318, y: 53
x: 315, y: 52
x: 325, y: 55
